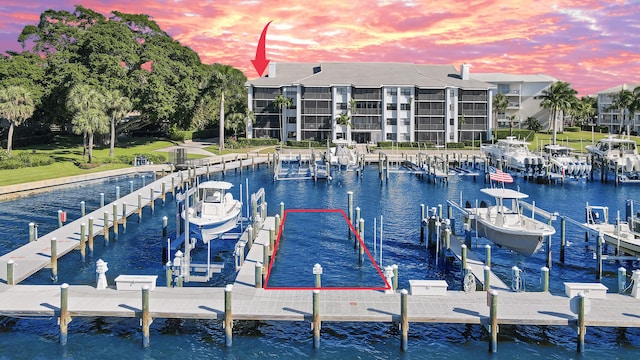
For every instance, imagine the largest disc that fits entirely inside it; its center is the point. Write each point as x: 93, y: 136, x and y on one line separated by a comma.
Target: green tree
x: 558, y: 98
x: 533, y: 124
x: 282, y: 102
x: 585, y: 110
x: 343, y: 120
x: 499, y: 105
x: 89, y: 113
x: 117, y: 107
x: 16, y: 106
x: 622, y: 101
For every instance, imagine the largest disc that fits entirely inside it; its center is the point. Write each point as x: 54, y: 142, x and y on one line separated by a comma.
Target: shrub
x: 244, y: 142
x: 572, y: 129
x: 23, y: 160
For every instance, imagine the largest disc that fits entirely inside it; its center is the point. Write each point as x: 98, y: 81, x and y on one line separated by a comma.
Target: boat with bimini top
x: 213, y: 212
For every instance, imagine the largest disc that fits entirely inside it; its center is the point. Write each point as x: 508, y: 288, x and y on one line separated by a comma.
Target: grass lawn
x: 67, y: 152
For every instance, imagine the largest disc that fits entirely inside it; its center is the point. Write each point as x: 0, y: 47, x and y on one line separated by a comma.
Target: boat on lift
x: 562, y: 161
x: 342, y: 155
x: 505, y: 225
x: 515, y: 155
x: 618, y: 154
x: 214, y: 210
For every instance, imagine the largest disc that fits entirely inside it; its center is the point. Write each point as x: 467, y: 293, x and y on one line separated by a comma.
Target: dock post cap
x: 404, y: 292
x: 463, y: 246
x: 316, y: 291
x: 64, y: 286
x: 10, y: 261
x: 487, y: 267
x: 494, y: 293
x: 350, y: 192
x: 145, y: 287
x: 544, y: 269
x: 228, y: 288
x: 486, y: 246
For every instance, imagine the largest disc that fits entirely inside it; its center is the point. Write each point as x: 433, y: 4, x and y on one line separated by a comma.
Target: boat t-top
x: 505, y: 225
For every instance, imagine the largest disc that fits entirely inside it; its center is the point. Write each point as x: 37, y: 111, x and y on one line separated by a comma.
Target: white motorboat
x: 618, y: 234
x: 617, y: 151
x: 214, y: 210
x: 562, y: 161
x: 505, y: 225
x: 342, y: 156
x: 514, y: 154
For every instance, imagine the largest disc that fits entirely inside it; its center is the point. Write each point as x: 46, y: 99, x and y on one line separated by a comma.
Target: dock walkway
x: 36, y: 255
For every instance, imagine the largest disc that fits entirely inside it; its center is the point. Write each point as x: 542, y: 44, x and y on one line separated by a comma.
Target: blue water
x: 314, y: 238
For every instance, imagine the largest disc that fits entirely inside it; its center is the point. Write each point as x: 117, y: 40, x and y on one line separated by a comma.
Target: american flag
x: 499, y: 175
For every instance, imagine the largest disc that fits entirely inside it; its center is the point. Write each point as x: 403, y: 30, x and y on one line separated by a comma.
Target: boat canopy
x: 219, y: 185
x: 504, y: 193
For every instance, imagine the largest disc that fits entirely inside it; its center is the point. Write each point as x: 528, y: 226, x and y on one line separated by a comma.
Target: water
x: 319, y: 238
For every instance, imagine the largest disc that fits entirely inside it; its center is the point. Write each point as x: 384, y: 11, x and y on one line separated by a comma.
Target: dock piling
x: 83, y: 239
x: 316, y: 319
x: 169, y: 273
x: 487, y: 261
x: 32, y: 232
x: 151, y: 201
x: 544, y: 278
x: 582, y: 328
x: 140, y: 207
x: 82, y: 208
x: 105, y: 218
x: 54, y: 259
x: 90, y: 236
x: 101, y: 200
x: 493, y: 316
x: 317, y: 271
x: 622, y: 279
x: 64, y: 318
x: 115, y: 221
x: 10, y: 265
x: 117, y: 192
x: 228, y: 316
x: 404, y: 320
x: 165, y: 222
x: 146, y: 317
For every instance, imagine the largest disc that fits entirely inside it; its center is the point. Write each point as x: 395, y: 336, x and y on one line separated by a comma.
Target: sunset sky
x: 591, y: 44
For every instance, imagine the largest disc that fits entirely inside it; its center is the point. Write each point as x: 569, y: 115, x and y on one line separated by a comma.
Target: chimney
x: 464, y: 71
x: 272, y: 69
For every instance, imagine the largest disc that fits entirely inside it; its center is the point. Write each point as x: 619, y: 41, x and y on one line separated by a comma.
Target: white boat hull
x: 513, y: 231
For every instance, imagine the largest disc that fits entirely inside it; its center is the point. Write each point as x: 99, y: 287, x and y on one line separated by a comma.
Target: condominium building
x: 609, y: 116
x: 522, y: 92
x: 384, y: 101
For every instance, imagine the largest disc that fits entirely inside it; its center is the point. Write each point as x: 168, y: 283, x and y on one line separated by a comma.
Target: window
x: 341, y: 90
x: 405, y: 106
x: 391, y: 137
x: 405, y: 121
x: 341, y: 106
x: 392, y: 106
x: 392, y: 121
x: 405, y: 91
x: 393, y: 91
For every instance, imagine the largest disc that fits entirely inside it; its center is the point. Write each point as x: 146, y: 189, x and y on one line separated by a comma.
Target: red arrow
x: 261, y: 62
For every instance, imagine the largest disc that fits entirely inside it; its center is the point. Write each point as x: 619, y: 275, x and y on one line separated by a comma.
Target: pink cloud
x: 587, y: 43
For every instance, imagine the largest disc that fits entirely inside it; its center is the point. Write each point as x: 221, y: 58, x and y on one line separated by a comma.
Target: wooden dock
x: 36, y: 255
x: 246, y: 301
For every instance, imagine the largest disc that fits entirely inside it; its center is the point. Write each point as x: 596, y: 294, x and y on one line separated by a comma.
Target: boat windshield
x: 212, y: 195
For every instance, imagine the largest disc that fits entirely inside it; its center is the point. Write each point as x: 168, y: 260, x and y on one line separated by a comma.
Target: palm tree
x: 235, y: 122
x: 622, y: 101
x: 16, y: 105
x: 499, y: 105
x: 282, y: 102
x: 250, y: 118
x: 118, y: 106
x: 585, y: 110
x: 353, y: 109
x: 559, y: 97
x: 89, y: 113
x: 343, y: 119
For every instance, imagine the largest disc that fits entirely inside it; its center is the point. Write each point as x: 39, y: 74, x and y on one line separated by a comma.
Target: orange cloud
x: 585, y: 42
